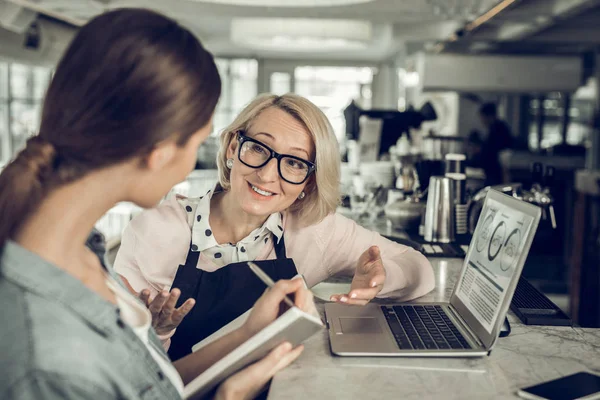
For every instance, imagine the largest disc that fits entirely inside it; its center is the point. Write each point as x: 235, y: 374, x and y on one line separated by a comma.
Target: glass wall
x: 332, y: 89
x: 553, y: 107
x: 5, y: 147
x: 280, y: 83
x: 239, y: 87
x: 22, y: 90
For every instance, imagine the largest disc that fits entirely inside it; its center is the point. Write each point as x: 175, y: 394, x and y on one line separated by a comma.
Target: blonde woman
x: 279, y: 174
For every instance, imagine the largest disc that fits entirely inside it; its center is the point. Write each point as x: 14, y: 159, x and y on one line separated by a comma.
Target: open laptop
x: 468, y: 325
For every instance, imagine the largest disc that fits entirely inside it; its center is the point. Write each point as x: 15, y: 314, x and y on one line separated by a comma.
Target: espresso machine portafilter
x: 539, y: 194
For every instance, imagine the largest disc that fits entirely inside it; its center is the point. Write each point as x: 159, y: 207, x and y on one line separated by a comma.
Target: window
x: 280, y: 83
x: 408, y: 82
x: 332, y: 89
x: 239, y: 87
x: 5, y: 148
x: 24, y: 121
x: 22, y: 90
x: 553, y: 109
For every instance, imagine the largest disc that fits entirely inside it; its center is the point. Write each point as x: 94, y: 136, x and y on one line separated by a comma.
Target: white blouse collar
x: 198, y: 212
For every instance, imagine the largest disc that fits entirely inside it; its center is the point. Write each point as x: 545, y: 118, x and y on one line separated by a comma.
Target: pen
x: 267, y: 281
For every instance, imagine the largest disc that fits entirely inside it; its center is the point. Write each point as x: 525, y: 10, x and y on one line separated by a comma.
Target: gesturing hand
x: 368, y: 280
x: 165, y: 317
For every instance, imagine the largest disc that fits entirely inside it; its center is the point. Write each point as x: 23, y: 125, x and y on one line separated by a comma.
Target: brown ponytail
x: 130, y: 79
x: 23, y: 184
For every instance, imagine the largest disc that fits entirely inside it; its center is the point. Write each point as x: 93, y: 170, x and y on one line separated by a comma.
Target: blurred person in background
x: 498, y: 138
x: 474, y: 144
x: 352, y: 117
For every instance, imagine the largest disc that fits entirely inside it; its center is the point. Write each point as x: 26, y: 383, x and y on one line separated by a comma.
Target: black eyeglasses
x: 255, y: 154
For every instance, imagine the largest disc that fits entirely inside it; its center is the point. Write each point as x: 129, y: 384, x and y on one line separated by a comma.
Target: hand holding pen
x: 267, y: 307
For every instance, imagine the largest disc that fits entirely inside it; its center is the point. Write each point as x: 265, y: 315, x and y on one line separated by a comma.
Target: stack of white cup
x: 455, y: 169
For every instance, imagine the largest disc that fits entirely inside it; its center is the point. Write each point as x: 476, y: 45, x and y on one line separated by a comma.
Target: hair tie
x: 39, y: 155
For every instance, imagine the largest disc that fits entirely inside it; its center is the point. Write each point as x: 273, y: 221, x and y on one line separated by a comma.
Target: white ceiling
x: 395, y: 22
x: 399, y: 26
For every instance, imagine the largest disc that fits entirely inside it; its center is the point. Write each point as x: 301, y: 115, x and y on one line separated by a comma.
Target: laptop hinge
x: 459, y: 320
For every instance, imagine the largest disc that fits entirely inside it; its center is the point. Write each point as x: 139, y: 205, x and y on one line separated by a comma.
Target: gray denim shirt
x: 60, y: 340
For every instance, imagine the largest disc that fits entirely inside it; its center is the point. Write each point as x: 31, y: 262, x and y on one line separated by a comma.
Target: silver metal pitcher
x: 439, y: 214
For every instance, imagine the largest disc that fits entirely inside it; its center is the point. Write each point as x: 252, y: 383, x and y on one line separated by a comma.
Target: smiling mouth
x: 260, y: 191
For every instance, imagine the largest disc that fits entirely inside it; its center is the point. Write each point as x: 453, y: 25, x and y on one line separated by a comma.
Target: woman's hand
x: 247, y: 383
x: 165, y: 317
x: 267, y: 308
x: 368, y: 279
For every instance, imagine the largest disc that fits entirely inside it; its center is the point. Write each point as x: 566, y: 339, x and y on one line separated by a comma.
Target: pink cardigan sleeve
x: 339, y: 242
x: 152, y: 246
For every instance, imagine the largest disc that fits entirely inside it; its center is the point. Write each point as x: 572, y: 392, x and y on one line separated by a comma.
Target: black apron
x: 221, y: 296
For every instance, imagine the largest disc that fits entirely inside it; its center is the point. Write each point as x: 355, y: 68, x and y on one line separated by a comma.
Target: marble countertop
x: 529, y: 355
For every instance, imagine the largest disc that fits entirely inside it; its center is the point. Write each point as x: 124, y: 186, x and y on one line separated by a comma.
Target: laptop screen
x: 492, y: 260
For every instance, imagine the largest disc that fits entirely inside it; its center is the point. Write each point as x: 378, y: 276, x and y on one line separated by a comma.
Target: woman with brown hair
x: 129, y: 104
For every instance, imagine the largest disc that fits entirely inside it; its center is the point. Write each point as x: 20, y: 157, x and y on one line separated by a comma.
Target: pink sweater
x: 157, y: 241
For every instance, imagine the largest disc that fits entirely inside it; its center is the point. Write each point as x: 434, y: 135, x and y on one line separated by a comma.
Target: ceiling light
x: 286, y: 3
x: 299, y: 34
x: 458, y: 9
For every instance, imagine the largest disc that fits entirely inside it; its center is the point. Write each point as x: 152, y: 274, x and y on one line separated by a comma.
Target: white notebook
x: 233, y: 325
x: 294, y: 326
x: 230, y: 327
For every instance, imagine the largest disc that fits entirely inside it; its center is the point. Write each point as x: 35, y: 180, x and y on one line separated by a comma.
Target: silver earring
x: 301, y: 195
x: 229, y: 163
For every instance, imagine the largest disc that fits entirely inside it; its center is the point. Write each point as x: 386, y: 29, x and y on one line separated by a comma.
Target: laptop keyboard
x: 423, y: 327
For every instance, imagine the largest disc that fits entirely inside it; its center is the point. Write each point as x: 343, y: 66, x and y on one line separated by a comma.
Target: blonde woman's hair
x: 323, y: 187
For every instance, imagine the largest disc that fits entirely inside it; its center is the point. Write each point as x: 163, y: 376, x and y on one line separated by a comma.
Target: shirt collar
x: 275, y: 224
x: 34, y: 274
x: 198, y: 217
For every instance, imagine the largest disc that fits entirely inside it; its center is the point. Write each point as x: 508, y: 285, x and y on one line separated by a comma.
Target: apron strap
x: 280, y: 248
x: 191, y: 260
x: 187, y: 277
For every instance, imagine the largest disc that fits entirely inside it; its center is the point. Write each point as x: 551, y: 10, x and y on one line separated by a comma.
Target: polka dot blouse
x: 203, y: 240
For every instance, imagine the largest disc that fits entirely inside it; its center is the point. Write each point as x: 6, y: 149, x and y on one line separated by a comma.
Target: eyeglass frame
x: 242, y: 138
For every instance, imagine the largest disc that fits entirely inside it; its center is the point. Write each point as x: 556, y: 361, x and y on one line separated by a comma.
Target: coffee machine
x: 539, y: 194
x: 394, y: 123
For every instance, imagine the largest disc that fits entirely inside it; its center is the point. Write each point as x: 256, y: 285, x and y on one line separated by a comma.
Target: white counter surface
x: 529, y: 355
